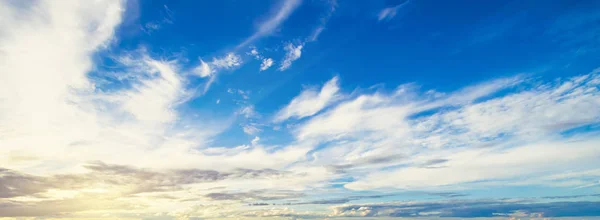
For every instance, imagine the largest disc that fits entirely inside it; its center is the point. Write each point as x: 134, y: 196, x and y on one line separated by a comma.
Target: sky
x: 299, y: 109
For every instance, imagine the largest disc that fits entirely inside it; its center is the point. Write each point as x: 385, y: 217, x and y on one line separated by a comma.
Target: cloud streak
x: 286, y: 8
x: 388, y: 13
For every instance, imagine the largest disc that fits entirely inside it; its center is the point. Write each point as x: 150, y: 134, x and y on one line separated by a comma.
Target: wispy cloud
x: 388, y: 13
x: 153, y: 26
x: 310, y: 101
x: 268, y: 26
x: 332, y: 5
x: 531, y: 121
x: 292, y: 54
x: 228, y: 62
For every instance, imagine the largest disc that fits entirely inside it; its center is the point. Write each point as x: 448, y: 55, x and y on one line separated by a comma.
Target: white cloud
x: 292, y: 53
x: 251, y: 129
x: 55, y: 116
x: 203, y: 70
x: 229, y: 61
x: 315, y: 35
x: 390, y: 12
x: 268, y: 26
x: 485, y: 164
x: 89, y: 123
x: 266, y: 63
x: 152, y: 100
x: 255, y: 53
x: 310, y: 101
x: 248, y: 111
x: 255, y: 140
x: 447, y: 142
x: 332, y: 4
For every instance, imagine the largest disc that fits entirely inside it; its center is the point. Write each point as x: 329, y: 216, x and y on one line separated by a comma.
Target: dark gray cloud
x: 373, y: 160
x: 394, y: 160
x: 255, y: 195
x: 447, y: 194
x: 130, y: 179
x: 13, y: 184
x: 435, y: 163
x: 353, y: 198
x: 472, y: 208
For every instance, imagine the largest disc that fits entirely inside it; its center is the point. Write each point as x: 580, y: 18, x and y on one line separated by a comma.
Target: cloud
x: 248, y: 111
x: 266, y: 63
x: 102, y: 185
x: 469, y: 209
x: 255, y: 140
x: 292, y: 53
x: 13, y: 184
x: 268, y: 26
x: 151, y: 100
x: 332, y: 4
x: 152, y: 26
x: 61, y: 207
x: 255, y: 53
x: 455, y: 138
x: 388, y: 13
x: 121, y: 179
x: 133, y: 111
x: 228, y: 62
x: 310, y: 101
x: 60, y: 110
x: 203, y: 70
x: 251, y: 129
x: 255, y: 195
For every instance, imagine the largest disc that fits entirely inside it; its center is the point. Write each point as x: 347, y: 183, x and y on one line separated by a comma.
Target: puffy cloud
x: 229, y: 61
x: 266, y: 63
x: 292, y: 54
x: 469, y: 209
x: 255, y: 140
x: 310, y: 101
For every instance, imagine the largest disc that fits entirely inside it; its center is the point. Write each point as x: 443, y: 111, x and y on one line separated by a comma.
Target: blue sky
x: 299, y: 109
